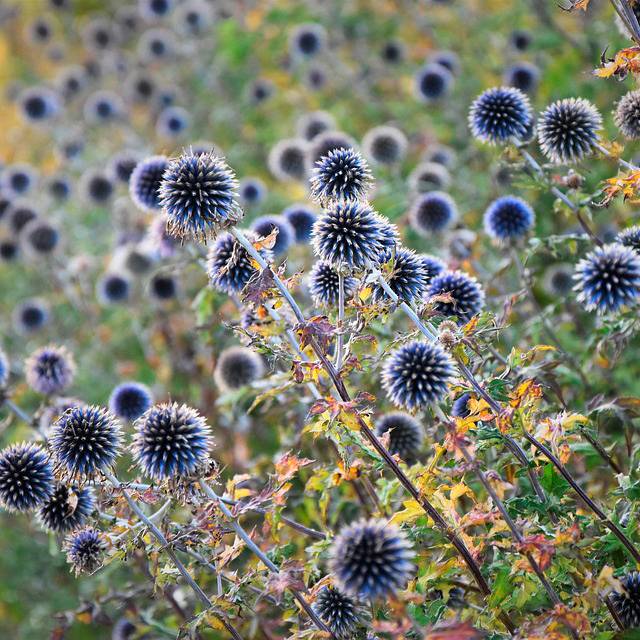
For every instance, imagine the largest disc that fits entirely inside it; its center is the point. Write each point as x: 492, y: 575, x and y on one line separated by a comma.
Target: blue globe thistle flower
x: 50, y: 370
x: 307, y: 40
x: 508, y: 218
x: 523, y: 76
x: 407, y: 279
x: 441, y: 154
x: 20, y: 215
x: 432, y: 212
x: 261, y: 90
x: 145, y: 181
x: 429, y: 176
x: 4, y: 370
x: 85, y: 440
x: 433, y: 82
x: 448, y: 59
x: 251, y: 191
x: 26, y: 477
x: 113, y: 288
x: 30, y: 316
x: 102, y: 107
x: 351, y: 235
x: 237, y: 367
x: 389, y: 239
x: 324, y: 285
x: 97, y: 187
x: 153, y: 9
x: 85, y: 550
x: 558, y: 280
x: 338, y: 611
x: 328, y: 141
x: 310, y: 125
x: 467, y: 296
x: 301, y: 218
x: 372, y: 559
x: 18, y: 179
x: 173, y: 122
x: 9, y: 250
x: 385, y: 145
x: 460, y: 406
x: 416, y: 375
x: 195, y: 17
x: 568, y: 130
x: 171, y: 440
x: 199, y: 196
x: 499, y: 114
x: 59, y: 187
x: 627, y: 115
x: 39, y: 104
x: 229, y: 266
x: 341, y: 175
x: 163, y: 287
x: 608, y: 278
x: 393, y: 52
x: 627, y: 601
x: 288, y: 159
x: 432, y: 266
x: 520, y: 39
x: 161, y: 241
x: 66, y: 509
x: 99, y: 35
x: 129, y: 400
x: 157, y: 45
x: 405, y: 434
x: 264, y: 225
x: 40, y: 238
x: 123, y: 164
x: 630, y: 237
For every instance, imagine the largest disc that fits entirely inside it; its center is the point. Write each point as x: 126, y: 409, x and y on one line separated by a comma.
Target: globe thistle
x: 338, y: 611
x: 429, y: 176
x: 26, y: 477
x: 441, y: 154
x: 40, y: 238
x: 4, y: 370
x: 351, y: 235
x: 129, y: 400
x: 405, y: 434
x: 627, y: 115
x: 163, y: 287
x: 627, y: 601
x: 50, y: 370
x: 307, y: 40
x: 39, y: 104
x: 499, y: 114
x: 432, y: 83
x: 407, y: 279
x: 372, y: 559
x: 18, y: 180
x: 342, y: 175
x: 316, y: 77
x: 30, y: 316
x: 85, y: 550
x: 20, y: 215
x: 171, y: 440
x: 265, y: 225
x: 301, y: 218
x: 85, y: 441
x: 311, y: 125
x: 523, y: 76
x: 520, y: 39
x: 173, y: 122
x: 66, y: 509
x: 145, y: 181
x: 237, y: 367
x: 140, y: 87
x: 385, y: 145
x: 160, y: 240
x: 40, y: 31
x: 195, y: 17
x: 630, y: 237
x: 465, y: 293
x: 327, y: 142
x: 59, y: 188
x: 558, y: 280
x: 393, y: 52
x: 70, y: 82
x: 568, y: 130
x: 460, y: 406
x: 229, y: 266
x: 97, y: 187
x: 608, y: 278
x: 508, y: 218
x: 448, y: 59
x: 432, y: 212
x: 324, y: 285
x: 8, y: 250
x: 199, y: 196
x: 251, y: 191
x: 431, y: 266
x: 102, y: 107
x: 157, y: 45
x: 113, y: 288
x: 288, y: 159
x: 261, y: 90
x: 99, y: 35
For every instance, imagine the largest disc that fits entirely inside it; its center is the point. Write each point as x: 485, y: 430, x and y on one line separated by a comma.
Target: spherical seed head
x: 431, y: 266
x: 199, y: 196
x: 432, y: 212
x: 508, y: 218
x: 416, y: 375
x: 460, y: 406
x: 341, y: 176
x: 50, y: 370
x: 405, y: 434
x: 324, y: 285
x: 338, y: 611
x: 4, y: 369
x: 85, y: 440
x: 130, y: 400
x: 38, y: 104
x: 171, y: 441
x: 433, y: 82
x: 288, y: 159
x: 40, y: 237
x: 265, y: 225
x: 163, y: 287
x: 237, y: 367
x: 30, y: 316
x: 113, y: 288
x: 385, y: 145
x: 568, y: 130
x: 429, y: 176
x: 467, y: 296
x: 627, y: 601
x: 302, y: 219
x: 85, y: 550
x: 26, y: 477
x: 608, y: 278
x: 144, y: 183
x: 407, y: 279
x: 311, y: 125
x: 630, y: 237
x: 66, y: 509
x: 229, y: 266
x: 522, y: 75
x: 352, y: 235
x: 372, y: 559
x: 307, y: 40
x: 627, y: 115
x: 499, y: 114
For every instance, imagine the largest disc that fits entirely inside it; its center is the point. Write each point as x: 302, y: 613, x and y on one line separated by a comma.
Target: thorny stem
x: 601, y: 451
x: 340, y: 338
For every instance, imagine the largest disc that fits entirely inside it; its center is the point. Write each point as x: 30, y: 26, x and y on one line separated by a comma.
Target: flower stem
x: 340, y: 338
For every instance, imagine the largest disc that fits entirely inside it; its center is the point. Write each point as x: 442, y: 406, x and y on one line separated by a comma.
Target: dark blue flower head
x: 352, y: 235
x: 66, y: 509
x: 265, y: 225
x: 324, y: 285
x: 568, y: 130
x: 288, y: 159
x: 627, y: 115
x: 199, y: 196
x: 163, y: 287
x: 97, y: 187
x: 307, y: 40
x: 85, y: 440
x: 407, y: 278
x: 31, y: 316
x: 429, y: 176
x: 389, y: 239
x: 123, y: 164
x: 50, y: 370
x: 26, y: 477
x: 432, y: 212
x: 251, y: 191
x: 464, y: 295
x: 338, y: 611
x: 523, y: 76
x: 85, y: 550
x: 310, y: 125
x: 630, y: 237
x: 124, y: 629
x: 144, y: 183
x: 171, y: 440
x: 448, y: 59
x: 608, y: 278
x: 499, y: 114
x: 325, y: 143
x: 4, y: 369
x: 405, y: 434
x: 432, y: 266
x: 433, y: 82
x: 341, y: 175
x: 113, y: 288
x: 301, y: 218
x: 385, y: 145
x: 18, y: 179
x: 558, y: 280
x: 460, y: 406
x: 173, y: 122
x: 129, y: 400
x: 103, y: 106
x: 237, y: 367
x: 626, y: 602
x: 40, y: 237
x: 20, y: 215
x: 508, y: 218
x: 38, y: 104
x: 372, y: 559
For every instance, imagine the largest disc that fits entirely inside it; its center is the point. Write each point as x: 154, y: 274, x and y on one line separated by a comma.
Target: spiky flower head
x: 85, y: 550
x: 460, y: 406
x: 416, y: 375
x: 288, y: 159
x: 66, y: 509
x: 429, y: 176
x: 522, y: 75
x: 508, y: 218
x: 433, y: 82
x: 237, y: 367
x: 338, y: 611
x: 130, y: 400
x: 499, y: 114
x: 50, y: 370
x: 465, y: 293
x: 113, y: 288
x: 199, y: 195
x: 171, y: 440
x: 627, y: 115
x: 351, y: 235
x: 341, y: 176
x: 85, y: 440
x: 372, y: 559
x: 405, y: 434
x: 432, y: 266
x: 301, y: 218
x: 432, y: 212
x: 608, y: 278
x: 145, y: 181
x: 407, y: 279
x: 327, y: 142
x: 265, y: 225
x: 630, y: 237
x: 26, y: 477
x: 324, y: 285
x: 627, y: 601
x: 385, y: 145
x: 568, y: 130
